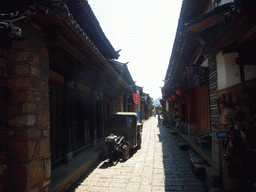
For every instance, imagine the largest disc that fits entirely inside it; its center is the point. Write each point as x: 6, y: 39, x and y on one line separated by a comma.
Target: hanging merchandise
x: 174, y: 96
x: 179, y: 92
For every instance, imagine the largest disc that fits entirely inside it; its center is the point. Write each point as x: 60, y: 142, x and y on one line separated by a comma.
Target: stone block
x: 18, y: 56
x: 215, y: 190
x: 21, y: 96
x: 22, y: 151
x: 44, y: 51
x: 199, y: 170
x: 33, y: 150
x: 31, y: 119
x: 18, y: 176
x: 1, y: 186
x: 21, y: 69
x: 3, y: 53
x: 212, y: 177
x: 43, y: 118
x: 3, y: 62
x: 35, y: 173
x: 34, y: 190
x: 3, y: 101
x: 44, y: 73
x: 47, y: 168
x: 184, y: 146
x: 46, y: 133
x: 44, y: 85
x: 22, y: 82
x: 195, y: 160
x: 3, y: 172
x: 29, y: 107
x: 44, y: 150
x: 5, y: 73
x: 44, y: 61
x: 3, y: 82
x: 35, y: 84
x: 3, y: 138
x: 3, y: 91
x: 17, y: 150
x: 3, y: 129
x: 44, y: 104
x: 174, y: 132
x: 35, y: 71
x: 26, y: 134
x: 25, y: 120
x: 3, y: 159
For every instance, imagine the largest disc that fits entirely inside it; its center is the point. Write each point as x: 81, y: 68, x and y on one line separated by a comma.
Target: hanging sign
x: 136, y: 98
x: 196, y: 75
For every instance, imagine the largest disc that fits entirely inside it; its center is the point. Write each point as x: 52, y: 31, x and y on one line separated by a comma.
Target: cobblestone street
x: 158, y: 166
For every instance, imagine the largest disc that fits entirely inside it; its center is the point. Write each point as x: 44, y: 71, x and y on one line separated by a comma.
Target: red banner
x: 136, y: 98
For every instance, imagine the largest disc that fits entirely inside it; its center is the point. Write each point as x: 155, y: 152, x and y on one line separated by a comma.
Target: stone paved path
x: 158, y: 166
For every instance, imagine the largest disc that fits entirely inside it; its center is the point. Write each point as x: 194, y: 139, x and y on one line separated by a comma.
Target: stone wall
x: 28, y: 112
x: 3, y: 120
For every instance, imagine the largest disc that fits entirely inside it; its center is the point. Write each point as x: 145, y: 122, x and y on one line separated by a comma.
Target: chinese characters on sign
x: 196, y: 75
x: 136, y: 98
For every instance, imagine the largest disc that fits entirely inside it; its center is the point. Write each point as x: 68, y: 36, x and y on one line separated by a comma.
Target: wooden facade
x: 220, y: 39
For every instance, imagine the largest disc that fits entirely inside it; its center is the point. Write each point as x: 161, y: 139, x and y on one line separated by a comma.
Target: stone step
x: 212, y: 178
x: 215, y: 190
x: 199, y: 170
x: 174, y: 132
x: 195, y: 160
x: 184, y: 146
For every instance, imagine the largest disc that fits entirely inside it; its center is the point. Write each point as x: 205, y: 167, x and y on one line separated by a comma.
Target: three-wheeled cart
x: 124, y: 134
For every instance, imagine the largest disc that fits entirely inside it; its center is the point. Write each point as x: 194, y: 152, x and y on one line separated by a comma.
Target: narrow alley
x: 158, y: 166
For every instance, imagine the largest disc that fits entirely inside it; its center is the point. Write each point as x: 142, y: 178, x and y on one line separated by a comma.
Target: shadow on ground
x: 178, y: 172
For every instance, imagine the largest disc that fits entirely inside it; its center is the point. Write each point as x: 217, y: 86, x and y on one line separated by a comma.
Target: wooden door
x: 203, y: 108
x: 57, y: 131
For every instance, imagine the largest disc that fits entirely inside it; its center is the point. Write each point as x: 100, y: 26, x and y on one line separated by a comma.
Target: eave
x: 187, y: 46
x: 241, y: 27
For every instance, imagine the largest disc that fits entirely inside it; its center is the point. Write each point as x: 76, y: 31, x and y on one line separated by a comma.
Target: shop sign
x: 196, y: 75
x: 136, y: 98
x: 221, y: 134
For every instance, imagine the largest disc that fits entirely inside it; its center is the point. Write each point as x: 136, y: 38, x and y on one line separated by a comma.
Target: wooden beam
x: 247, y: 35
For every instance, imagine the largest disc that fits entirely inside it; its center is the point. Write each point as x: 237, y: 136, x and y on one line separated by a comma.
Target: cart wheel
x: 139, y: 141
x: 125, y: 152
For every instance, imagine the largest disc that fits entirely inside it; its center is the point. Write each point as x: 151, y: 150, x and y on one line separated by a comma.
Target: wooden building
x: 58, y: 86
x: 210, y: 83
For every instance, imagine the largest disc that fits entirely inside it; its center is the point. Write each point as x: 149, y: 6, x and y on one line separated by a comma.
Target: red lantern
x: 174, y: 96
x: 179, y: 92
x: 170, y: 99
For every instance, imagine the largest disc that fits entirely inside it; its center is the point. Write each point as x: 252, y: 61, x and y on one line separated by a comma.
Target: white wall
x: 205, y: 63
x: 228, y: 72
x: 225, y: 1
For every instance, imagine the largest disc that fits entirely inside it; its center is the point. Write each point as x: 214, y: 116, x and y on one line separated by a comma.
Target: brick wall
x: 4, y: 167
x: 28, y: 112
x: 213, y: 86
